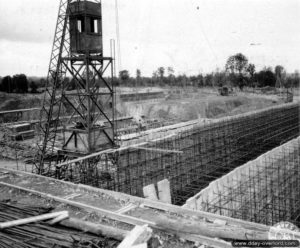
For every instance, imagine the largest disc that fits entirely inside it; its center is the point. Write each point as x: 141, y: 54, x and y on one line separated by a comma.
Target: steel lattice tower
x: 77, y: 116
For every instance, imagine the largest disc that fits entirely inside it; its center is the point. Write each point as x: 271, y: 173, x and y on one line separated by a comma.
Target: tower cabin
x: 85, y: 27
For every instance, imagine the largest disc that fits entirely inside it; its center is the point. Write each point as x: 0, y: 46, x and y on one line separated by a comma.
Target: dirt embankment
x: 186, y: 108
x: 19, y: 101
x: 183, y: 107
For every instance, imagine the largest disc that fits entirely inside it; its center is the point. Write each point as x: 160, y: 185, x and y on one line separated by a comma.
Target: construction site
x: 107, y: 166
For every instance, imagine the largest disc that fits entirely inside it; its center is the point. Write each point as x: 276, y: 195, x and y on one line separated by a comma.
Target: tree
x: 70, y: 84
x: 208, y: 80
x: 200, y: 80
x: 161, y: 72
x: 124, y: 75
x: 20, y: 83
x: 296, y: 79
x: 251, y: 71
x: 182, y: 80
x: 237, y: 63
x: 266, y: 78
x: 170, y: 75
x: 292, y: 80
x: 138, y: 77
x: 6, y: 84
x: 42, y: 82
x: 170, y: 71
x: 237, y: 66
x: 138, y: 74
x: 33, y: 87
x: 219, y: 78
x: 279, y: 72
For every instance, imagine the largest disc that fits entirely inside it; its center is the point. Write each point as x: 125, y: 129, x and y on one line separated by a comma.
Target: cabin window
x: 94, y: 26
x: 80, y: 25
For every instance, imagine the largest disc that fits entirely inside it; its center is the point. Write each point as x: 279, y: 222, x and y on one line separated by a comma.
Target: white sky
x: 190, y: 35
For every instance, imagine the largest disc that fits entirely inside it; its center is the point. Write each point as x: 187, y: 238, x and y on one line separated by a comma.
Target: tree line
x: 237, y: 72
x: 17, y: 84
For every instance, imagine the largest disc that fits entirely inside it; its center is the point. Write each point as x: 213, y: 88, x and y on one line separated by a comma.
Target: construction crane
x: 80, y: 121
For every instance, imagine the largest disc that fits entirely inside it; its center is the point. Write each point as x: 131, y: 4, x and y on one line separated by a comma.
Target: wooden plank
x: 72, y: 196
x: 158, y: 150
x: 150, y: 192
x: 97, y: 229
x: 182, y: 225
x: 24, y: 221
x: 257, y: 230
x: 210, y: 216
x: 59, y: 218
x: 109, y: 214
x: 18, y: 111
x: 149, y: 203
x: 139, y: 235
x: 144, y: 245
x: 111, y: 151
x: 126, y: 208
x: 210, y: 242
x: 164, y: 191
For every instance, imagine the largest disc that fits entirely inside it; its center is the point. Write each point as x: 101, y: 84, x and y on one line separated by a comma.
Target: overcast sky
x: 190, y: 35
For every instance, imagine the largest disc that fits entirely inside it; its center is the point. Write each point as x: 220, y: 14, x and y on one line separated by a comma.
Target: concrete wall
x: 265, y: 190
x: 141, y: 96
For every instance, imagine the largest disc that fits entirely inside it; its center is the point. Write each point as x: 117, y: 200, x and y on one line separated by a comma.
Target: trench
x: 210, y: 151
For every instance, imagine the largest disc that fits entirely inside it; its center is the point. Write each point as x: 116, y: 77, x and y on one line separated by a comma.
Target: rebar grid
x: 209, y: 151
x: 266, y: 190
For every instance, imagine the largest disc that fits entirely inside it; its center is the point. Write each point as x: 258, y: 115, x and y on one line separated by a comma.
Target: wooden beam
x: 127, y: 208
x: 150, y: 203
x: 144, y: 245
x: 164, y: 191
x: 206, y: 241
x: 181, y: 225
x: 150, y: 192
x: 111, y: 151
x: 175, y: 226
x: 238, y: 227
x: 24, y: 221
x: 242, y: 224
x: 112, y: 215
x: 138, y: 235
x: 97, y: 229
x: 157, y: 150
x: 59, y: 218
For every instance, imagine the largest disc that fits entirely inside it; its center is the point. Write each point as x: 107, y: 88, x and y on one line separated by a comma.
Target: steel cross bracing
x: 88, y: 105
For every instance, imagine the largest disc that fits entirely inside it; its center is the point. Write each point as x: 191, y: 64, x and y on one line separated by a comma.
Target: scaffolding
x: 265, y: 190
x: 190, y: 159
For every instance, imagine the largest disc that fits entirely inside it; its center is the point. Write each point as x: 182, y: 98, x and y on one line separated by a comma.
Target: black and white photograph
x: 149, y: 123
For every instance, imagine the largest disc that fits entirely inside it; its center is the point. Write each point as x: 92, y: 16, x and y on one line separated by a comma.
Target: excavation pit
x: 191, y: 158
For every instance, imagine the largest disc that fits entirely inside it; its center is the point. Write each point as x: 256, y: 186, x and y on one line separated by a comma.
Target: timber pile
x: 20, y: 131
x: 42, y: 234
